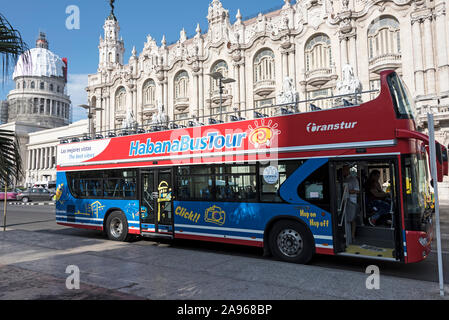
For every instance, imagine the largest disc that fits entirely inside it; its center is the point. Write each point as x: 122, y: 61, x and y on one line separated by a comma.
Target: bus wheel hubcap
x: 289, y: 242
x: 116, y: 228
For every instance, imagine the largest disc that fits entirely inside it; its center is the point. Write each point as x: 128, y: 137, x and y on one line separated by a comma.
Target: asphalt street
x: 33, y: 229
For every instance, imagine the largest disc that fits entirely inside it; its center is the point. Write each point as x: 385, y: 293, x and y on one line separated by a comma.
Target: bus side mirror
x: 431, y: 183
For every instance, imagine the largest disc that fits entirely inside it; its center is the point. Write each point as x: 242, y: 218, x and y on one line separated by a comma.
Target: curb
x: 32, y: 204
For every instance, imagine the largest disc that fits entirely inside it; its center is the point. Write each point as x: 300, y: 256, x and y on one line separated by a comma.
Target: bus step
x: 157, y: 235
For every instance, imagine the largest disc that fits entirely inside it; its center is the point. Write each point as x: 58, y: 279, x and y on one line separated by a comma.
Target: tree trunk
x: 4, y: 207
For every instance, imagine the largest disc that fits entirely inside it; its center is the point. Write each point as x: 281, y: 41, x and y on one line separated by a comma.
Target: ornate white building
x: 309, y: 42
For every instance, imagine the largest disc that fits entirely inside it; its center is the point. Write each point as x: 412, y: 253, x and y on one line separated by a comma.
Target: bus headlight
x: 423, y: 241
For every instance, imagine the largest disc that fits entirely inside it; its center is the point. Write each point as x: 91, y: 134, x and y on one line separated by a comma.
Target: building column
x: 166, y: 96
x: 442, y: 48
x: 284, y: 65
x: 243, y: 88
x: 29, y: 160
x: 201, y: 97
x: 48, y: 157
x: 418, y: 57
x: 32, y: 160
x: 44, y: 162
x: 429, y: 61
x: 292, y: 64
x: 353, y: 54
x: 195, y: 110
x: 343, y: 51
x: 236, y: 92
x: 111, y: 103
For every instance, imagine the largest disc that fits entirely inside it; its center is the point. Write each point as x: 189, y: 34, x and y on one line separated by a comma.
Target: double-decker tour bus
x: 350, y: 180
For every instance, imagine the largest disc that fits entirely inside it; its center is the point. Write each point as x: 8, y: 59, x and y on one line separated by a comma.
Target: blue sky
x: 137, y: 19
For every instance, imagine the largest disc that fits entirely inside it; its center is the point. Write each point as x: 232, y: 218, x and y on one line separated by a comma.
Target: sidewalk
x: 33, y: 265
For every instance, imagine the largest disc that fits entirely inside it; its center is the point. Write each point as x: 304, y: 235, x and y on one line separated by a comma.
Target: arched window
x: 384, y: 37
x: 149, y: 92
x: 221, y: 67
x: 51, y: 87
x: 120, y: 99
x: 318, y: 53
x: 264, y: 68
x: 182, y: 85
x: 33, y: 85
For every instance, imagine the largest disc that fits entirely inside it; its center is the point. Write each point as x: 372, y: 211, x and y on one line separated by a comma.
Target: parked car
x: 10, y: 195
x: 35, y: 194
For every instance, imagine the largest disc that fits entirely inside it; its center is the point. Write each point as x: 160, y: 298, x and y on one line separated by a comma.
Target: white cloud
x: 76, y: 88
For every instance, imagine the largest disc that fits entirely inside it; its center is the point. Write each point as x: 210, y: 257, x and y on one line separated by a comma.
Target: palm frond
x: 10, y: 159
x: 11, y: 46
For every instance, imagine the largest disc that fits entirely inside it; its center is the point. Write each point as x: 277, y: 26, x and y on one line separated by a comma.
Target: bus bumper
x: 419, y: 246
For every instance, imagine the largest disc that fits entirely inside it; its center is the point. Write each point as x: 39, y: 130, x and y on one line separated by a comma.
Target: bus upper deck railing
x: 284, y: 109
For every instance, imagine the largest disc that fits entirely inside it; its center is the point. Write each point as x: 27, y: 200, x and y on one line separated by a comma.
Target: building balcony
x: 181, y: 104
x: 149, y: 109
x: 215, y: 96
x: 319, y: 77
x: 264, y: 88
x: 389, y: 61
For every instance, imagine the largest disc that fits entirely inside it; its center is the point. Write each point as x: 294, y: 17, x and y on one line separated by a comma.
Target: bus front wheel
x: 117, y: 227
x: 290, y: 241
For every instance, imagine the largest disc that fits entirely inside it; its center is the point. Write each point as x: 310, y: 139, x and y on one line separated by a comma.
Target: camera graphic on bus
x: 215, y: 215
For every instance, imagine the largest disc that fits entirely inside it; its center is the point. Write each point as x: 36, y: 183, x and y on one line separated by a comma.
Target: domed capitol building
x: 38, y: 103
x: 40, y: 96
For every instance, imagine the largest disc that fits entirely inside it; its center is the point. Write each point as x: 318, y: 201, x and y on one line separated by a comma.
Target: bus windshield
x: 417, y: 189
x: 400, y: 94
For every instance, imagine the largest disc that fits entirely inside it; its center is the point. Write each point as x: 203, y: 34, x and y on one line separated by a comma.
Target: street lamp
x: 90, y: 110
x: 221, y: 80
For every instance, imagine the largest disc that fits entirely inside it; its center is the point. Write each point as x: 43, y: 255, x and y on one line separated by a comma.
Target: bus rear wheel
x: 117, y: 227
x: 290, y: 241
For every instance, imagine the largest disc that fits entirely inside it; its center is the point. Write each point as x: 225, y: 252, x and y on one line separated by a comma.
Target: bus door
x: 156, y: 201
x: 366, y: 222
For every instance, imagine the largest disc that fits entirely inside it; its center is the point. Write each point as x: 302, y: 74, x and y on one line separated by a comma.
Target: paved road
x: 34, y: 244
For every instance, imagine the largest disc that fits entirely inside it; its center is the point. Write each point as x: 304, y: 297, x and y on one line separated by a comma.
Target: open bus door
x: 440, y: 161
x: 356, y: 236
x: 445, y: 156
x: 156, y: 202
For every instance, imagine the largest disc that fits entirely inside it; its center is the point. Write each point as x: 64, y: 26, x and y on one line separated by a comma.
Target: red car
x: 10, y: 195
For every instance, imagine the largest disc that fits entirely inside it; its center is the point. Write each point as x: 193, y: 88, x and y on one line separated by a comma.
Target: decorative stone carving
x: 349, y: 84
x: 287, y: 95
x: 159, y: 118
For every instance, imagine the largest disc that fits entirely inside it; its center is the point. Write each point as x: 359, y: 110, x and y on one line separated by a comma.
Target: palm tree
x: 11, y: 48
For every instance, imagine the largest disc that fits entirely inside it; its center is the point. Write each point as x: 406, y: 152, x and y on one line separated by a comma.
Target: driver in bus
x: 378, y: 200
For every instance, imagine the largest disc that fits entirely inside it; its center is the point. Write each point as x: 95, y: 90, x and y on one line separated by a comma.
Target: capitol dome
x: 41, y: 62
x: 39, y: 97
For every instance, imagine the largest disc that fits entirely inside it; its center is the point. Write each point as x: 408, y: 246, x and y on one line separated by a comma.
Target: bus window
x: 195, y: 183
x: 400, y: 95
x: 269, y: 187
x: 103, y: 184
x: 315, y: 189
